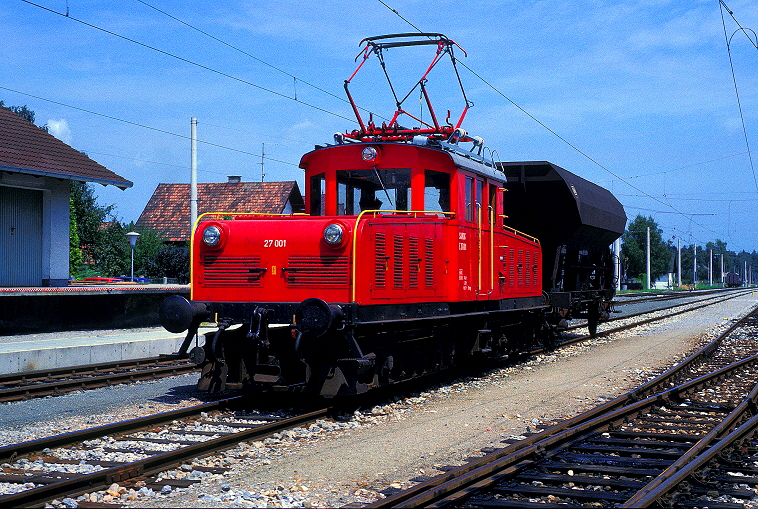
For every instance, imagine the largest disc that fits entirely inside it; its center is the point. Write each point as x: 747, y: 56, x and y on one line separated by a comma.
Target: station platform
x: 29, y: 352
x: 113, y: 306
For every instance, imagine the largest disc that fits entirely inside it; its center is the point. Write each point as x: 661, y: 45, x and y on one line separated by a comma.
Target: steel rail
x: 474, y: 473
x: 148, y: 466
x: 707, y: 301
x: 646, y: 321
x: 671, y: 295
x: 7, y: 378
x: 706, y: 449
x: 38, y: 389
x: 9, y: 453
x: 484, y: 475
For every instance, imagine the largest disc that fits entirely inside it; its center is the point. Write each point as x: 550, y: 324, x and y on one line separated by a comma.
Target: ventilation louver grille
x: 397, y: 261
x: 414, y: 262
x: 380, y: 265
x: 429, y: 267
x: 319, y: 271
x: 219, y: 271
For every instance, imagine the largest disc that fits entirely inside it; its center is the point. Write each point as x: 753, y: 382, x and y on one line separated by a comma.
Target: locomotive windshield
x: 379, y: 189
x: 386, y: 189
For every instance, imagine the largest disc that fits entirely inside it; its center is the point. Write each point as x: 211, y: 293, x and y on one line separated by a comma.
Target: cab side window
x: 317, y: 195
x: 436, y: 191
x: 469, y: 196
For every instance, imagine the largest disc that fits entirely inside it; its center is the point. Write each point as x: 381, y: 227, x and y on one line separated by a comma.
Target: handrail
x: 492, y: 248
x: 374, y: 213
x: 514, y: 230
x: 479, y: 242
x: 247, y: 214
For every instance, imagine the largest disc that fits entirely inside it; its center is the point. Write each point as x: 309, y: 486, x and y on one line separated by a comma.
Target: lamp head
x: 133, y: 238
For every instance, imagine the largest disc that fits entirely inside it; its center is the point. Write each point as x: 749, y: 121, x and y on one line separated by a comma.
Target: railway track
x: 190, y: 433
x: 134, y: 450
x: 659, y: 297
x: 53, y: 382
x: 685, y: 439
x: 683, y: 307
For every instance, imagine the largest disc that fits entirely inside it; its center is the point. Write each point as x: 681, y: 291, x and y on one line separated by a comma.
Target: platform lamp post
x: 133, y: 236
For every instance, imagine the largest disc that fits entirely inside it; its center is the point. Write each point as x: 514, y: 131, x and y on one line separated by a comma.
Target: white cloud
x: 60, y: 129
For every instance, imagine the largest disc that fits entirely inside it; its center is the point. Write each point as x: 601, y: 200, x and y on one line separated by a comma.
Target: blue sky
x: 642, y: 91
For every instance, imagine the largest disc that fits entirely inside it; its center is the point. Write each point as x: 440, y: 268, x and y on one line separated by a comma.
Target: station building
x: 35, y: 173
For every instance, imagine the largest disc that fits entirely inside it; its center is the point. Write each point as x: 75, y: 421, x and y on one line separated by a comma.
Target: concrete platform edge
x: 66, y: 356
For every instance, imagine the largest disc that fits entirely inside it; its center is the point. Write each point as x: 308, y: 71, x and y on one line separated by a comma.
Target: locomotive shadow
x: 181, y: 393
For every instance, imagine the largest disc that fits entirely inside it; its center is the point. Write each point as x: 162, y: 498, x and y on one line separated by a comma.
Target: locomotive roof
x: 461, y: 157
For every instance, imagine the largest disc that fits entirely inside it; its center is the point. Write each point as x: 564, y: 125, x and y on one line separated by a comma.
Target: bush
x: 171, y: 261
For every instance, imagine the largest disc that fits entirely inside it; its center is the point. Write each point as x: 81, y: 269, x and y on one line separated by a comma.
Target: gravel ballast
x: 335, y: 463
x: 450, y: 424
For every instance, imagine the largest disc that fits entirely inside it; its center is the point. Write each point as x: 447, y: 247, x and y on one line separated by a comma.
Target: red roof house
x: 35, y: 170
x: 168, y: 210
x: 29, y: 150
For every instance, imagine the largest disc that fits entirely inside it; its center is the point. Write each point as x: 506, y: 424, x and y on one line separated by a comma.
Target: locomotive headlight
x: 369, y: 154
x: 212, y: 236
x: 333, y: 234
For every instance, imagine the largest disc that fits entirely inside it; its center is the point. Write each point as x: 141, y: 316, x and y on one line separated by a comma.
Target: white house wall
x: 54, y: 254
x: 56, y: 220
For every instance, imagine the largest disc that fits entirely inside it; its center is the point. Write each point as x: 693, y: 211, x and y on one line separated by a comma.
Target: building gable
x: 27, y: 149
x: 168, y: 210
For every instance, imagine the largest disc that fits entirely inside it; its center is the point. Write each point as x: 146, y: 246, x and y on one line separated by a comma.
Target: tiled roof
x: 168, y: 211
x: 25, y: 148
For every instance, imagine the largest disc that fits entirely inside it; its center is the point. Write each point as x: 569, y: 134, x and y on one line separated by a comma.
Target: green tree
x: 96, y: 230
x: 90, y: 215
x: 688, y: 259
x: 111, y: 253
x: 23, y: 112
x: 74, y: 247
x: 633, y: 249
x: 719, y: 251
x: 146, y: 250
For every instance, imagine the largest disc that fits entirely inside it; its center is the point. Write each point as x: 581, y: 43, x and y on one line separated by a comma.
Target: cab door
x: 407, y: 262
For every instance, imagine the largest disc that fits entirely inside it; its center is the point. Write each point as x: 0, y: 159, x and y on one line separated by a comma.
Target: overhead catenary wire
x: 383, y: 3
x: 139, y: 160
x: 257, y: 59
x: 723, y: 6
x: 554, y: 133
x: 137, y: 124
x: 188, y: 61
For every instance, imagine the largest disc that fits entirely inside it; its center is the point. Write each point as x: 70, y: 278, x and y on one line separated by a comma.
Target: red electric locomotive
x: 403, y: 263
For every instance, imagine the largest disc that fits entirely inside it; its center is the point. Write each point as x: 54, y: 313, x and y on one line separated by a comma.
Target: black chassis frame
x: 577, y: 299
x: 356, y: 315
x: 352, y: 368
